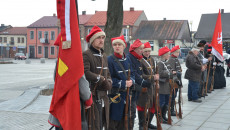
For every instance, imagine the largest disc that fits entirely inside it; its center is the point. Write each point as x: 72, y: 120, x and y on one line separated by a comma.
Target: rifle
x: 127, y: 103
x: 171, y: 82
x: 179, y: 99
x: 179, y: 102
x: 207, y: 79
x: 212, y: 84
x: 157, y: 100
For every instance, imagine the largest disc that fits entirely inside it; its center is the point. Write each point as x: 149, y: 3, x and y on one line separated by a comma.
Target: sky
x: 19, y: 13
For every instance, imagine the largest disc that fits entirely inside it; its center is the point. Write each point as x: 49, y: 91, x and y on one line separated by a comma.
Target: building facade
x: 160, y: 33
x: 41, y: 36
x: 13, y: 40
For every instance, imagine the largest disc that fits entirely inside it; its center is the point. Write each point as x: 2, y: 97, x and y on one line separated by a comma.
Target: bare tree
x: 114, y: 23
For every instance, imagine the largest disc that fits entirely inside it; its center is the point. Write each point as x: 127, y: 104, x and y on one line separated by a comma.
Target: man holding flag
x: 65, y: 104
x: 217, y: 51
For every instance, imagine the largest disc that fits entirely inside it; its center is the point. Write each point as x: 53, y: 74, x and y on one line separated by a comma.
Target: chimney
x: 54, y: 15
x: 95, y: 11
x: 164, y: 18
x: 83, y: 12
x: 2, y: 25
x: 222, y: 11
x: 131, y: 8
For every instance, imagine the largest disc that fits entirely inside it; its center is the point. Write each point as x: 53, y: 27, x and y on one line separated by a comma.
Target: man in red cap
x: 119, y: 66
x: 135, y: 56
x: 175, y: 65
x: 146, y: 97
x: 97, y: 73
x: 165, y: 73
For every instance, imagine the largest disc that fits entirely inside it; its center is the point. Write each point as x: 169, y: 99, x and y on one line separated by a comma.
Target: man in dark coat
x: 119, y: 66
x: 175, y: 65
x: 135, y: 55
x: 165, y: 73
x: 97, y: 73
x: 146, y: 97
x: 193, y: 74
x: 204, y: 58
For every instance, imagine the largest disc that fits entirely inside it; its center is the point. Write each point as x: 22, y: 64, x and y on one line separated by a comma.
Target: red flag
x: 65, y: 104
x: 217, y: 39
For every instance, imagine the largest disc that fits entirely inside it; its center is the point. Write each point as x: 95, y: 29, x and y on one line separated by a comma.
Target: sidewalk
x: 29, y: 111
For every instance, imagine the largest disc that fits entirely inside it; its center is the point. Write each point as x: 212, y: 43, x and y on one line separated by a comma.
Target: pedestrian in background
x: 193, y: 74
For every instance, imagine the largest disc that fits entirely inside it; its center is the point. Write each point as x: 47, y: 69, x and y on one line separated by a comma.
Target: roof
x: 207, y: 25
x: 3, y: 27
x: 46, y: 21
x: 84, y: 18
x: 163, y: 30
x: 99, y: 18
x: 14, y: 31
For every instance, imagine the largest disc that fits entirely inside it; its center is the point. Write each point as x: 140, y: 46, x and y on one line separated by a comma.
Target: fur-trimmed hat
x: 175, y: 48
x: 94, y: 33
x: 201, y: 43
x: 137, y: 43
x: 147, y: 47
x: 120, y: 39
x: 163, y: 50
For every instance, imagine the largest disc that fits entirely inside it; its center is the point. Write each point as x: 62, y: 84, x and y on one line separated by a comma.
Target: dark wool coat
x: 175, y: 65
x: 137, y: 69
x: 119, y: 83
x: 148, y: 65
x: 92, y: 59
x: 194, y: 66
x: 165, y: 73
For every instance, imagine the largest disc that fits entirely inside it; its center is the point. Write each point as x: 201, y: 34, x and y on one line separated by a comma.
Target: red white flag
x: 65, y: 104
x: 217, y: 49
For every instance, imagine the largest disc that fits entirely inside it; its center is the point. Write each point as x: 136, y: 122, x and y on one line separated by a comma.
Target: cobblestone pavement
x: 23, y: 108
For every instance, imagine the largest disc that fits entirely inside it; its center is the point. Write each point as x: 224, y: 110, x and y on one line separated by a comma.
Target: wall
x: 36, y: 42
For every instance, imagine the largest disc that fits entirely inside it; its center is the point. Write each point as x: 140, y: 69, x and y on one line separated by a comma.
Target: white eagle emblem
x: 219, y: 38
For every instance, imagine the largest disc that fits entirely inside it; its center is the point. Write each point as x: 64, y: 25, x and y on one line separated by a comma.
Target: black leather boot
x: 141, y: 118
x: 163, y: 115
x: 165, y: 109
x: 149, y: 123
x: 173, y: 113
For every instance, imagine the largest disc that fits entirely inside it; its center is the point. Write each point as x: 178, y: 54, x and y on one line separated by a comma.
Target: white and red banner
x: 65, y: 104
x: 217, y: 49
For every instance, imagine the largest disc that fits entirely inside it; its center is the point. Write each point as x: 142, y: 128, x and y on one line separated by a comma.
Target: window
x: 171, y: 45
x: 89, y: 31
x: 52, y: 50
x: 5, y: 39
x: 0, y: 39
x: 39, y: 34
x: 152, y: 45
x: 52, y: 35
x: 18, y: 39
x: 31, y: 34
x: 22, y: 39
x: 46, y: 34
x: 39, y: 49
x: 126, y: 34
x: 11, y: 40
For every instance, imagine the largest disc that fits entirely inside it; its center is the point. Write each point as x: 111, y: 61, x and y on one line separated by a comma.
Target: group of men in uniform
x: 123, y: 83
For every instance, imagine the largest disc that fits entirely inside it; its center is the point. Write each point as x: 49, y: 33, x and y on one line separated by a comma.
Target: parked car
x: 184, y: 53
x: 20, y: 56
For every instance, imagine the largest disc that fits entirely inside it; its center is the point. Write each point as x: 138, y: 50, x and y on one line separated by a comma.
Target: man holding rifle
x: 175, y: 65
x: 97, y: 73
x: 135, y: 56
x: 165, y: 73
x: 146, y: 98
x: 123, y: 79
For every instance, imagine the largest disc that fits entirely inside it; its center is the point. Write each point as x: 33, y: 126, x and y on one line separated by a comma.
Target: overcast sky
x: 24, y: 12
